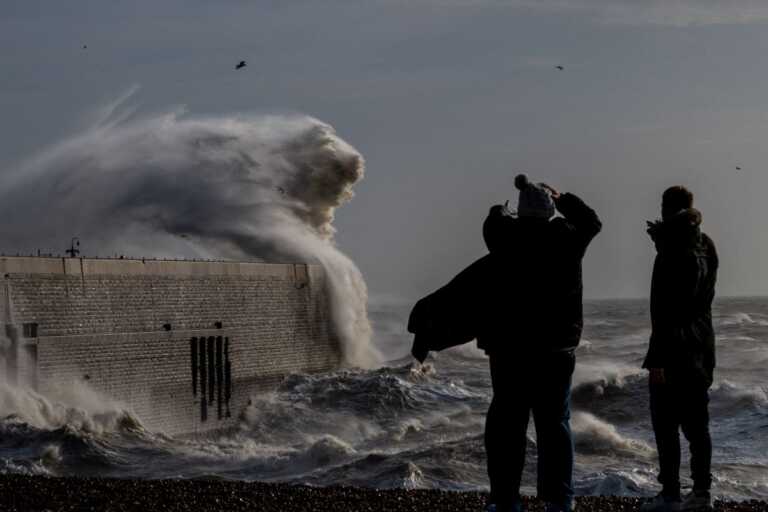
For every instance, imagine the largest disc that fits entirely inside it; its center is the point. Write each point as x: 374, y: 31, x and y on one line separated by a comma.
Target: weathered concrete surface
x: 126, y: 328
x: 22, y: 493
x: 109, y: 266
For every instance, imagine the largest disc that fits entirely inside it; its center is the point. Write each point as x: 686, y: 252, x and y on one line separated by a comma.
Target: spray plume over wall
x: 249, y: 187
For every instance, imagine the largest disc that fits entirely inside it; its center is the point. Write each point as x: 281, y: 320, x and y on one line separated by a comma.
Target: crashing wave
x: 595, y: 436
x: 727, y: 396
x: 75, y: 406
x: 240, y: 187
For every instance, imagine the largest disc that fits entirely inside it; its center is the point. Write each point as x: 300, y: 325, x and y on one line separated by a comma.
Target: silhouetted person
x: 534, y: 322
x: 681, y: 353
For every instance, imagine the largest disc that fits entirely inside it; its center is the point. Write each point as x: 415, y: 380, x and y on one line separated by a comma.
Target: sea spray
x: 259, y: 188
x: 595, y: 436
x: 73, y: 405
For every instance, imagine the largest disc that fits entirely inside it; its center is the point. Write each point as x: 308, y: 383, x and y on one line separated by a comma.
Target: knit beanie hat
x: 535, y: 201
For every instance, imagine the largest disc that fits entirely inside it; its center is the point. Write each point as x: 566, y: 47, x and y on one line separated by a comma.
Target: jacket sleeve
x: 420, y: 324
x: 583, y: 221
x: 450, y: 316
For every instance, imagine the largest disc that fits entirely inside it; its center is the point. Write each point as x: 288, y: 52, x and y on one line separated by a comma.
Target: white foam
x: 240, y: 187
x: 607, y: 372
x: 594, y: 435
x: 51, y: 455
x: 73, y: 405
x: 733, y: 394
x: 742, y: 318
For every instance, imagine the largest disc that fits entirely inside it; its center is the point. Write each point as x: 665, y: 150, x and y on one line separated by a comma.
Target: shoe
x: 697, y: 500
x: 660, y: 503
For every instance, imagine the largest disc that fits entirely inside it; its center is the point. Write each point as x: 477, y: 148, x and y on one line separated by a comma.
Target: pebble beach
x: 20, y: 493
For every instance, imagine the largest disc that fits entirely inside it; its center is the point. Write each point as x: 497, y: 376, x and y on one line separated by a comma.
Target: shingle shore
x: 20, y: 493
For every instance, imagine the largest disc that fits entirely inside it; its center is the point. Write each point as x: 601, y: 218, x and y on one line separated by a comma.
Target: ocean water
x: 413, y: 426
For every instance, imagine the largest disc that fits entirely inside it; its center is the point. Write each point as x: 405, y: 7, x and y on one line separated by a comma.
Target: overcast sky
x: 447, y: 100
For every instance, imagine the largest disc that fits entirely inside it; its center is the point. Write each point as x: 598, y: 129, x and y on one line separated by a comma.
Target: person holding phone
x: 532, y: 325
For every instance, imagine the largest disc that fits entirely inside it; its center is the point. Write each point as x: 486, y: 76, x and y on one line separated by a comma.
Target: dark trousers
x: 681, y: 403
x: 523, y: 384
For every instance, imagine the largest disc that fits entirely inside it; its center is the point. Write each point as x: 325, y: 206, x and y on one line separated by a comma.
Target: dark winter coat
x: 682, y: 291
x: 525, y: 296
x: 536, y: 299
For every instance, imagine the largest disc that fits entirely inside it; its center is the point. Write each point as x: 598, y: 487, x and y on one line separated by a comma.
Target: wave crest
x: 595, y: 436
x: 246, y: 188
x: 75, y: 406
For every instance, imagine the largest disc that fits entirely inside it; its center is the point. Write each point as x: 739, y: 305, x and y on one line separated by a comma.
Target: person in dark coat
x: 523, y: 304
x: 532, y: 327
x: 681, y: 353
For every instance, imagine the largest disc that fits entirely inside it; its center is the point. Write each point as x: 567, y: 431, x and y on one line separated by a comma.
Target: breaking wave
x: 74, y: 406
x: 262, y: 188
x: 595, y: 436
x: 741, y: 319
x: 729, y: 397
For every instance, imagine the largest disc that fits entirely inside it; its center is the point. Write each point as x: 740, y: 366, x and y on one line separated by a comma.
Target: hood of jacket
x: 680, y: 231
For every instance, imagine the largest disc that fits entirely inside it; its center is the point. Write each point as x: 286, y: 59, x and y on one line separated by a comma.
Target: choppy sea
x: 412, y: 426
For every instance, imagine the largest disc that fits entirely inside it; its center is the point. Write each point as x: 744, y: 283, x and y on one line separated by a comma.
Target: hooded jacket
x: 682, y: 291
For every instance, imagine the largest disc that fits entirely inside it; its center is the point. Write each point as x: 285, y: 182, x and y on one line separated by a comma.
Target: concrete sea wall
x: 184, y: 343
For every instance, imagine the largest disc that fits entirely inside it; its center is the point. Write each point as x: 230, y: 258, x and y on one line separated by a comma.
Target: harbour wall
x: 185, y: 344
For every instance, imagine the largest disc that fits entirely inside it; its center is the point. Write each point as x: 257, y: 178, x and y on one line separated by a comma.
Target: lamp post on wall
x: 72, y: 251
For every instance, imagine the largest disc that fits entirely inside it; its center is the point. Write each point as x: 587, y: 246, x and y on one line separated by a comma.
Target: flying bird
x: 560, y: 68
x: 85, y: 47
x: 738, y: 168
x: 240, y: 65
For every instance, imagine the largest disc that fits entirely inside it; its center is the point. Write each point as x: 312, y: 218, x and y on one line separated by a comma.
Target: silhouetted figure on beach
x: 523, y: 304
x: 681, y: 353
x: 534, y: 327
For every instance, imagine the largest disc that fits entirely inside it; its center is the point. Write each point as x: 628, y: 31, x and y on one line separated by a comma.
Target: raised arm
x: 583, y: 221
